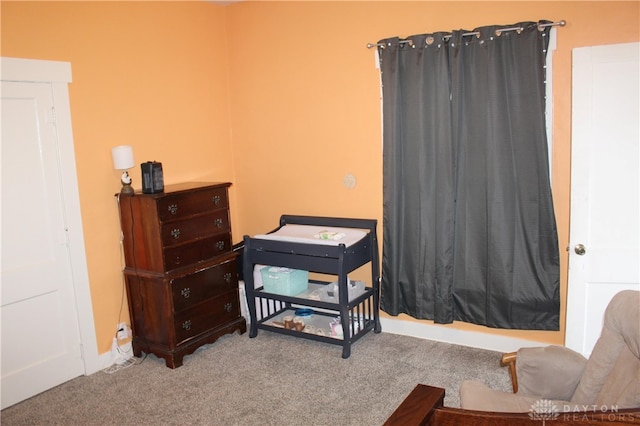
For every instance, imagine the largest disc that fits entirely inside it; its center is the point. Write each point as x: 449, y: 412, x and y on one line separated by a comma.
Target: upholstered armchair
x: 609, y: 378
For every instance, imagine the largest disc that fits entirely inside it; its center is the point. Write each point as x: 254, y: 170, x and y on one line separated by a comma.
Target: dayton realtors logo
x: 544, y: 410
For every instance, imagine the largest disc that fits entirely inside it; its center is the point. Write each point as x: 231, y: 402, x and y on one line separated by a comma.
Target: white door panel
x: 605, y: 186
x: 40, y: 331
x: 31, y: 208
x: 43, y: 337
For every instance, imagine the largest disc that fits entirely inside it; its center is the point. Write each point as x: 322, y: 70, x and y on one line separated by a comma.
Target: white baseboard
x: 107, y: 359
x: 473, y: 339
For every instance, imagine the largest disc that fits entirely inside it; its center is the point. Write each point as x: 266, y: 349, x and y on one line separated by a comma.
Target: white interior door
x: 604, y: 250
x: 40, y: 341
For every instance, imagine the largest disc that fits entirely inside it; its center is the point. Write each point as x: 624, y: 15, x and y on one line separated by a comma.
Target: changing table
x: 324, y: 245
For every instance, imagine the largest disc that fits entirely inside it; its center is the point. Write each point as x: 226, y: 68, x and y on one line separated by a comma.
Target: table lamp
x: 123, y: 160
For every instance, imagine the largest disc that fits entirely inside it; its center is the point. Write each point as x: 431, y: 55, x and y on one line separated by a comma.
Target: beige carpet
x: 269, y: 380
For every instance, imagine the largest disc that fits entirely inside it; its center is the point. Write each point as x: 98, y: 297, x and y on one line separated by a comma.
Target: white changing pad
x: 311, y: 234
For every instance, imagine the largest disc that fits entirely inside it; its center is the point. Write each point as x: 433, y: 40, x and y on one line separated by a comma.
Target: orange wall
x: 280, y: 98
x: 149, y: 74
x: 306, y: 110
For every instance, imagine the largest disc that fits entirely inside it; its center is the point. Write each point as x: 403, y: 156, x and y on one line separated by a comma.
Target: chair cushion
x: 477, y: 396
x: 550, y: 372
x: 618, y: 344
x: 622, y: 388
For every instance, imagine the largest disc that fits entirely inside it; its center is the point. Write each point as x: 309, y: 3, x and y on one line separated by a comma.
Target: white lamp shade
x: 122, y: 157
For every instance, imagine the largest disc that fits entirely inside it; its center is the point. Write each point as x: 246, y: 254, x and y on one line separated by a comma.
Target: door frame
x: 58, y: 75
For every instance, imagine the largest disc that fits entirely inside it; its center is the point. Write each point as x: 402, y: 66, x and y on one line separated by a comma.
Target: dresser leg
x: 137, y: 352
x: 174, y: 361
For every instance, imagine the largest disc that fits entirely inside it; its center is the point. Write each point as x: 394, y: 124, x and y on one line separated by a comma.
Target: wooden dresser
x: 181, y: 274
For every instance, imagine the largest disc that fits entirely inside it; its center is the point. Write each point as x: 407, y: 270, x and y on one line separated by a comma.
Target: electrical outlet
x: 124, y: 331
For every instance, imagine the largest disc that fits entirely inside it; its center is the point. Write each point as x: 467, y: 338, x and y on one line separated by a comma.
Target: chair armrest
x: 551, y: 372
x: 509, y: 360
x: 418, y: 407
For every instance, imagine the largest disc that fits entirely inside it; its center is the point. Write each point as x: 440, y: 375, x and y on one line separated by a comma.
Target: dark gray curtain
x: 469, y: 231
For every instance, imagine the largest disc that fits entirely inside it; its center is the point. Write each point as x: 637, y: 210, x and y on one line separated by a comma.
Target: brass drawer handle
x: 175, y: 233
x: 220, y: 245
x: 173, y: 208
x: 216, y: 199
x: 228, y: 307
x: 177, y: 260
x: 227, y: 277
x: 186, y: 325
x: 186, y: 292
x: 218, y: 222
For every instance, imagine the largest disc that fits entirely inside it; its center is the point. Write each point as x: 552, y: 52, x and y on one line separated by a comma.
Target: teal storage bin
x: 284, y: 281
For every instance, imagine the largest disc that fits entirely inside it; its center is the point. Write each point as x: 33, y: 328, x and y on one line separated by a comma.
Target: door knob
x: 580, y: 249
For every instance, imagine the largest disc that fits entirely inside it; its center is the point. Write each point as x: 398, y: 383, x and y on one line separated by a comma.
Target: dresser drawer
x: 179, y: 205
x: 206, y: 284
x: 197, y: 251
x: 206, y: 315
x: 195, y: 227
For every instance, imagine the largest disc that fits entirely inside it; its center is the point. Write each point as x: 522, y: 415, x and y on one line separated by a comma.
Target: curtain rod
x: 499, y: 31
